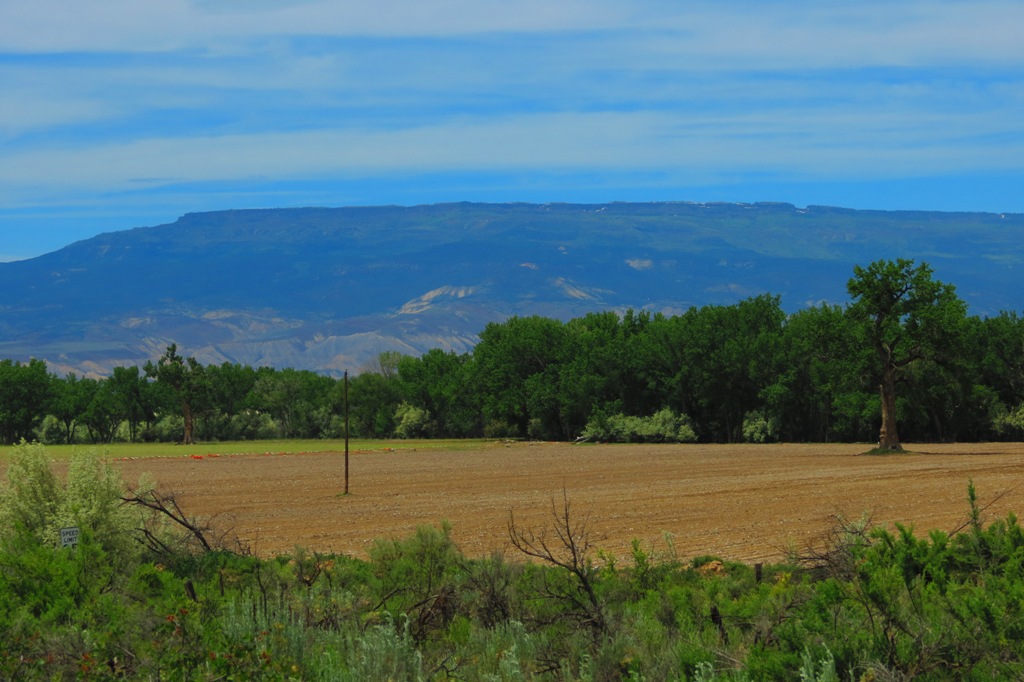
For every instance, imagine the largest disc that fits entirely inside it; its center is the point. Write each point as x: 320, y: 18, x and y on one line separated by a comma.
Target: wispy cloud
x: 108, y: 100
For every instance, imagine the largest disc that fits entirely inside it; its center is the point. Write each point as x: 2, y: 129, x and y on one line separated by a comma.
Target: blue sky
x: 123, y: 113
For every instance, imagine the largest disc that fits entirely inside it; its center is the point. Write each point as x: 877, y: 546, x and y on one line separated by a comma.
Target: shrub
x: 1009, y: 424
x: 170, y: 429
x: 664, y: 426
x: 497, y: 428
x: 759, y: 429
x: 35, y: 503
x: 254, y: 425
x: 327, y: 424
x: 412, y: 422
x: 417, y: 578
x: 387, y: 653
x: 52, y: 431
x: 32, y: 496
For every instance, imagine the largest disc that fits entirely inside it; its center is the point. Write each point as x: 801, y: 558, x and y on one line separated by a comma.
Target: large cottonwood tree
x: 187, y: 379
x: 908, y: 317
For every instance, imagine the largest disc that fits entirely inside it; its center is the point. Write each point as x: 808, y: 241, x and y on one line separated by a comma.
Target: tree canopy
x: 908, y: 318
x: 187, y: 380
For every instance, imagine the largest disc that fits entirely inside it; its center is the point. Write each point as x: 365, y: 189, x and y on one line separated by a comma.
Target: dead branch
x: 569, y: 550
x: 166, y: 505
x: 835, y: 556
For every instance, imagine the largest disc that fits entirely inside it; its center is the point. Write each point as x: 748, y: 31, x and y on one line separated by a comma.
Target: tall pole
x: 346, y: 432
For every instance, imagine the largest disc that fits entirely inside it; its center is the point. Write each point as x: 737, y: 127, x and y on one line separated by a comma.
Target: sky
x: 117, y: 114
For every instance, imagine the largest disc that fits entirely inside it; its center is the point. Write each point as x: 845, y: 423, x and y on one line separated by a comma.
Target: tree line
x: 903, y: 351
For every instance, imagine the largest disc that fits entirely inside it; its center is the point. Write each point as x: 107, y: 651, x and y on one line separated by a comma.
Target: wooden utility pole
x: 346, y: 432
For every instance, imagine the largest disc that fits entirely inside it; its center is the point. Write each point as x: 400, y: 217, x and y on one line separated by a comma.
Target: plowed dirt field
x: 740, y: 502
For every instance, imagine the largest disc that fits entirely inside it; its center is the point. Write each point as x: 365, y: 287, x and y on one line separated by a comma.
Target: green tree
x: 384, y: 363
x: 26, y: 390
x: 509, y: 355
x: 373, y: 399
x: 437, y: 383
x: 999, y: 344
x: 819, y: 391
x: 70, y: 400
x: 132, y: 398
x: 718, y: 361
x: 908, y: 318
x: 187, y: 380
x: 232, y: 401
x: 596, y: 374
x: 299, y: 400
x: 231, y: 387
x: 102, y: 414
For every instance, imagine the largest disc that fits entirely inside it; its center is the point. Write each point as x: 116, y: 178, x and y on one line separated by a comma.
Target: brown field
x: 740, y: 502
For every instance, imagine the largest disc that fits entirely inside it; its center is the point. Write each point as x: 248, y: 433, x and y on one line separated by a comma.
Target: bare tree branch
x: 166, y: 505
x: 569, y: 550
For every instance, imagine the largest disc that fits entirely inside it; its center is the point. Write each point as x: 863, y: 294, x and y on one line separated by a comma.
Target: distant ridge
x: 328, y: 289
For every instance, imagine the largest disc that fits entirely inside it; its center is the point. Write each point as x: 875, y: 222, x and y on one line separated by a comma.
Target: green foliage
x: 1009, y: 424
x: 252, y: 425
x: 33, y: 495
x: 909, y: 319
x: 35, y: 504
x: 514, y: 371
x: 759, y: 429
x: 873, y: 603
x: 67, y: 407
x: 663, y: 426
x: 299, y: 401
x: 412, y: 422
x: 187, y: 381
x: 374, y: 399
x: 417, y: 578
x: 26, y: 390
x: 169, y: 429
x: 437, y: 383
x: 52, y: 432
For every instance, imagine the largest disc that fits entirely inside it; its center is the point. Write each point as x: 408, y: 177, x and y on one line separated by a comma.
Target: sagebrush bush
x: 35, y: 503
x: 417, y: 578
x: 32, y: 496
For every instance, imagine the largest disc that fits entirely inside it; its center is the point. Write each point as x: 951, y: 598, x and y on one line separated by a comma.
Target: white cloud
x: 148, y: 25
x: 803, y: 35
x: 114, y: 92
x: 795, y: 144
x: 24, y: 111
x: 640, y: 263
x: 775, y: 33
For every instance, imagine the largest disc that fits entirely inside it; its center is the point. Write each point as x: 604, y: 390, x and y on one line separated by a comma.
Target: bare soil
x: 739, y: 502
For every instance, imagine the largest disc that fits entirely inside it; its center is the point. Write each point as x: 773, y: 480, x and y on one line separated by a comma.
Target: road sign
x: 69, y: 537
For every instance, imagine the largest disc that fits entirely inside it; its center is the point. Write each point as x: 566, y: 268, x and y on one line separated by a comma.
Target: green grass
x: 121, y: 450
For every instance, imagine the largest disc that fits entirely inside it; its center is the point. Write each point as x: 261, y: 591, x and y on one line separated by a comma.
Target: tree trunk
x: 888, y: 437
x: 186, y: 413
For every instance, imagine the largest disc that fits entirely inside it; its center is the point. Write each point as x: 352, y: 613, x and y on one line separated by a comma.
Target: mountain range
x: 328, y: 289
